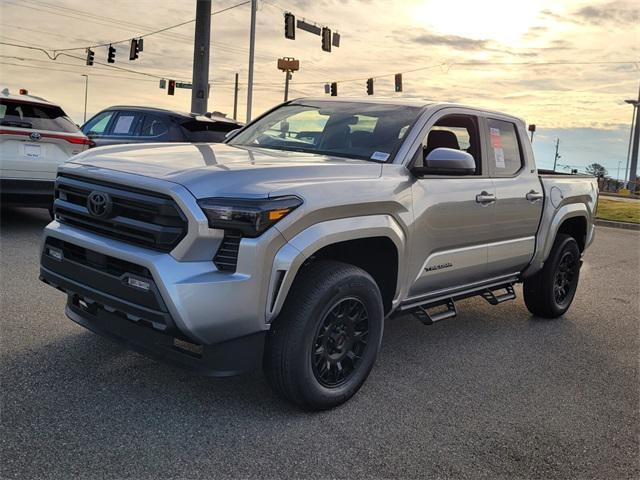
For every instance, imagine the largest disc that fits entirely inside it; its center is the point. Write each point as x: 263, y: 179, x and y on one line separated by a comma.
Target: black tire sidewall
x: 364, y: 289
x: 563, y: 245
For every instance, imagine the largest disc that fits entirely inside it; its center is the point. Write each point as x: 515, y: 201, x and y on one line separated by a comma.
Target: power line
x: 58, y: 51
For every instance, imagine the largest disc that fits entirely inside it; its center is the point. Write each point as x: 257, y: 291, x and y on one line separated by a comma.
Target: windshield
x: 364, y: 131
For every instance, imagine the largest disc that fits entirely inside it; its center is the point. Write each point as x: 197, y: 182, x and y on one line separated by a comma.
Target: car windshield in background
x: 37, y: 116
x: 366, y: 131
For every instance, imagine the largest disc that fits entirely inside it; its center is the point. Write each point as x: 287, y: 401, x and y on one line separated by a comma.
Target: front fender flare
x: 301, y: 247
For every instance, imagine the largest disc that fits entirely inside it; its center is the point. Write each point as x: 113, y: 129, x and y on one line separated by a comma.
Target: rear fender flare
x: 548, y: 231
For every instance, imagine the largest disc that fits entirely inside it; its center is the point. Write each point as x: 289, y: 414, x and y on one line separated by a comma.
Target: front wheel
x: 324, y: 343
x: 549, y: 292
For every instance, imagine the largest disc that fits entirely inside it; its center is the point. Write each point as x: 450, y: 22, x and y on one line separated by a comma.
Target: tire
x: 314, y: 331
x: 549, y: 292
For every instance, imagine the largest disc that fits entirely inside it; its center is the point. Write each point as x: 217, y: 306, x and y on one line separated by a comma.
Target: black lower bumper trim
x: 224, y: 359
x: 31, y: 193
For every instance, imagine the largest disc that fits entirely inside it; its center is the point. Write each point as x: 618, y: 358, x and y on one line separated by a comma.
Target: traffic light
x: 90, y: 55
x: 370, y: 86
x: 111, y: 58
x: 334, y: 89
x: 326, y: 39
x: 327, y: 88
x: 289, y: 26
x: 134, y: 49
x: 171, y: 87
x: 140, y: 44
x: 398, y: 82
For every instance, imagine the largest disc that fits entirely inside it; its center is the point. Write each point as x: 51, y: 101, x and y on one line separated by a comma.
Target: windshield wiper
x: 14, y: 123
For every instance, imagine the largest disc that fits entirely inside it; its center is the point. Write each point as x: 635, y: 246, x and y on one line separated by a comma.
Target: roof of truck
x: 408, y: 102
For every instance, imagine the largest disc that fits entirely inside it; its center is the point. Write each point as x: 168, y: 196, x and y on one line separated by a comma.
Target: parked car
x: 128, y: 124
x: 35, y: 137
x: 288, y: 246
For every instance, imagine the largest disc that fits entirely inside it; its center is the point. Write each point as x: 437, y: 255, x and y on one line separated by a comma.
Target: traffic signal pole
x: 200, y: 77
x: 252, y: 48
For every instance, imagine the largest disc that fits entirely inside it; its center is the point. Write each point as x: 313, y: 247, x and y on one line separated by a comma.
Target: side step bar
x: 493, y: 295
x: 422, y: 313
x: 490, y: 296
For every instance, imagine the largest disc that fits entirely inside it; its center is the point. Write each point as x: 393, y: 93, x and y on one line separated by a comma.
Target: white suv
x: 35, y: 137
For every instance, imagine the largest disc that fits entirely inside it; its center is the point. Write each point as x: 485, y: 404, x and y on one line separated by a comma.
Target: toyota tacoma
x: 286, y: 247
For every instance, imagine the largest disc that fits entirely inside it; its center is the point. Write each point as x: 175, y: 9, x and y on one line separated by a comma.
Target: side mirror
x: 446, y: 161
x: 231, y: 133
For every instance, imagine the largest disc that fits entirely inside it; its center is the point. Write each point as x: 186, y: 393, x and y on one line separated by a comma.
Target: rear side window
x: 505, y: 159
x: 36, y: 116
x: 153, y: 127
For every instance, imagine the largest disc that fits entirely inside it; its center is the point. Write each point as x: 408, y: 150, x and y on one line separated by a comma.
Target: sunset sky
x: 486, y: 54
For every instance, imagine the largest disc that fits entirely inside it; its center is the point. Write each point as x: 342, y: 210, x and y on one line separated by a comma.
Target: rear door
x: 36, y: 138
x: 519, y: 197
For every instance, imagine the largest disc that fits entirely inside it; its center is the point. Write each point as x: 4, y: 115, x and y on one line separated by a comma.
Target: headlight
x: 249, y: 216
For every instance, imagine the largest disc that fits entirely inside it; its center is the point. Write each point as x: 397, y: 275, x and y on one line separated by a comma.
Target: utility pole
x: 557, y: 156
x: 252, y: 48
x: 235, y: 99
x: 200, y: 77
x: 86, y: 93
x: 636, y: 142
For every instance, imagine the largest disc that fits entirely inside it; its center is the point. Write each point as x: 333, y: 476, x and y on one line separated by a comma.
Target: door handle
x: 485, y: 198
x: 534, y: 196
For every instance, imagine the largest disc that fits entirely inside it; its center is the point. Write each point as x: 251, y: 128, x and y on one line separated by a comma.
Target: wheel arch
x: 352, y: 240
x: 572, y: 219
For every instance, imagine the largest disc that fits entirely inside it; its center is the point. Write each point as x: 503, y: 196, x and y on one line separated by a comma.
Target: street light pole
x: 633, y: 120
x: 252, y: 48
x: 86, y: 92
x: 634, y: 138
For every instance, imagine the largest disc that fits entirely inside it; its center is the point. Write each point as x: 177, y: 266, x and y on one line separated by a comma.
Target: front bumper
x: 222, y: 314
x: 221, y: 360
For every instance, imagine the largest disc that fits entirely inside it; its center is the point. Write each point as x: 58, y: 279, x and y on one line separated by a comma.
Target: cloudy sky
x: 566, y: 66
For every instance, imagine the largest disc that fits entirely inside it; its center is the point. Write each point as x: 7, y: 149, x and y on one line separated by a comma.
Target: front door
x: 453, y: 214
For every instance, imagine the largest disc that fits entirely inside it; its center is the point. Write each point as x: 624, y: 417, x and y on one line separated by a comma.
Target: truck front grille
x: 136, y: 216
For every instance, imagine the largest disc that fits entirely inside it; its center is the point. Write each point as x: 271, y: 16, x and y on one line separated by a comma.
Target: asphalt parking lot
x: 494, y: 393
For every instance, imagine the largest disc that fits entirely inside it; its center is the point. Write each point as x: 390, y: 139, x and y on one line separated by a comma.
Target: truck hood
x: 224, y: 170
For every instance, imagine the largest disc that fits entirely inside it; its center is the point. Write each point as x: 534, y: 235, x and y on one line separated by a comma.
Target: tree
x: 597, y: 170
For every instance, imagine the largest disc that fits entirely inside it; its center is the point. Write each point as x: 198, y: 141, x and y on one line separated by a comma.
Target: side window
x: 125, y: 124
x: 98, y: 124
x: 153, y: 127
x: 458, y: 132
x: 505, y: 159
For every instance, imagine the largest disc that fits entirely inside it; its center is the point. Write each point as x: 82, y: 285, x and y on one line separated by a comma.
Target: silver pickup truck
x: 289, y: 245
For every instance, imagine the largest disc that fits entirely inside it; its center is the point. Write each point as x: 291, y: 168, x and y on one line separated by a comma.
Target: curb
x: 622, y: 225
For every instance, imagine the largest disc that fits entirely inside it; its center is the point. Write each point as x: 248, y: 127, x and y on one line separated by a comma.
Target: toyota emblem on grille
x: 99, y: 204
x: 35, y: 136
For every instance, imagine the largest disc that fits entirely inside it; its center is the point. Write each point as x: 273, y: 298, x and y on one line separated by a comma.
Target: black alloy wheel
x: 563, y: 283
x: 340, y: 342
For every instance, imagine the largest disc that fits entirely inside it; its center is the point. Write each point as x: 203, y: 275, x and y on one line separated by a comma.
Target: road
x: 494, y: 393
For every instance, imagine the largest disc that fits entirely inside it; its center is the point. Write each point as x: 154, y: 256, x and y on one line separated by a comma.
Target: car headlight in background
x: 249, y: 216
